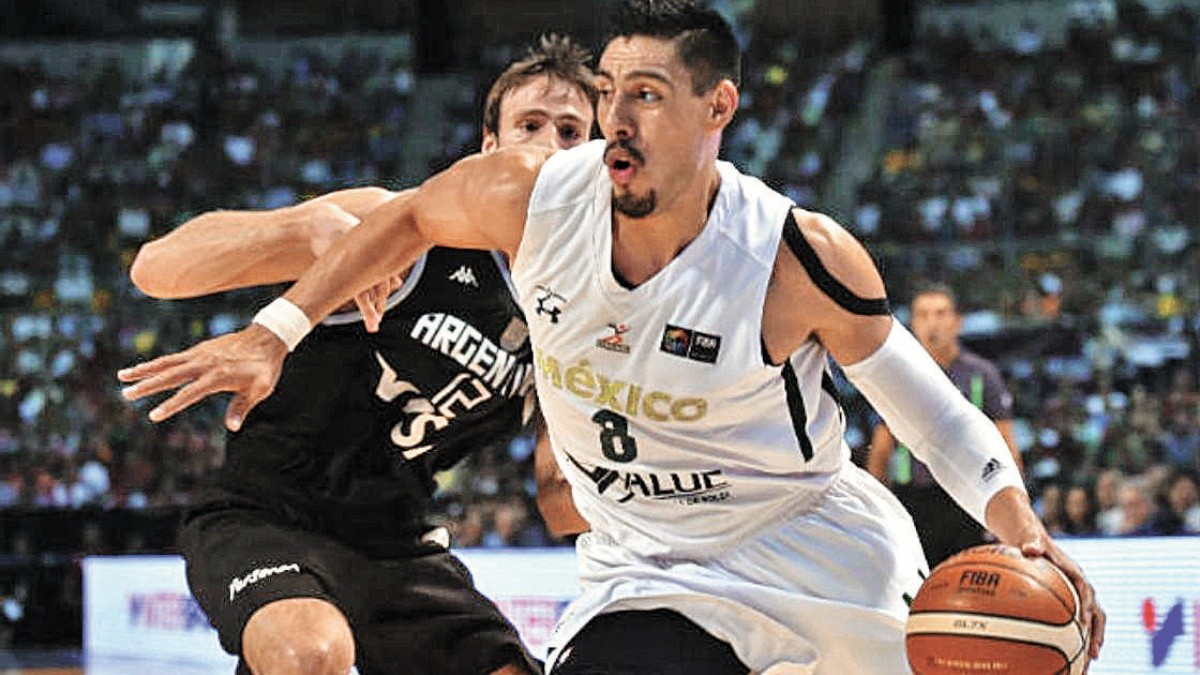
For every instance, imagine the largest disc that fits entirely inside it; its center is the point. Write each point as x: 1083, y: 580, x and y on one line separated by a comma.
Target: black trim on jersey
x: 844, y: 297
x: 830, y: 388
x: 766, y: 355
x: 795, y: 403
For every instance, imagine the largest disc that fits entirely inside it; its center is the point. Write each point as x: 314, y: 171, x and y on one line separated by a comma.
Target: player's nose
x: 617, y: 119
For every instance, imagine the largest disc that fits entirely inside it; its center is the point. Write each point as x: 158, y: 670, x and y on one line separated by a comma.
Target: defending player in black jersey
x: 310, y: 551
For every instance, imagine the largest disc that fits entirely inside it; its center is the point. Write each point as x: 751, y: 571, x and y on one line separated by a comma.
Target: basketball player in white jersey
x: 682, y: 315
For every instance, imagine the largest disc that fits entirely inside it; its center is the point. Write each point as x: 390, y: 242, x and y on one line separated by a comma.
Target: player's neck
x: 643, y: 246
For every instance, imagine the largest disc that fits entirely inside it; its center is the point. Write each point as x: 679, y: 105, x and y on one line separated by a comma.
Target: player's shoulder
x: 830, y: 256
x: 824, y: 234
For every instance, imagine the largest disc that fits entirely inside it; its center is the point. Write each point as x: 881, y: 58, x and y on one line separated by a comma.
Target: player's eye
x: 530, y: 126
x: 648, y: 96
x: 569, y: 133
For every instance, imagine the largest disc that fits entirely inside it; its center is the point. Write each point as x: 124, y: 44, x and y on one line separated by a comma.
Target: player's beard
x: 633, y: 206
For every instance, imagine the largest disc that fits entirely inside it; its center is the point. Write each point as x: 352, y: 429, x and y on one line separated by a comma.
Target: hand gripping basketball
x: 991, y: 609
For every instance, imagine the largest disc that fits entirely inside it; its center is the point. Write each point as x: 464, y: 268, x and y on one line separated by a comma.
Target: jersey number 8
x: 615, y: 441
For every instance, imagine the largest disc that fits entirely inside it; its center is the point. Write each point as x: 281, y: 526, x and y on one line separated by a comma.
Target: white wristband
x: 287, y: 321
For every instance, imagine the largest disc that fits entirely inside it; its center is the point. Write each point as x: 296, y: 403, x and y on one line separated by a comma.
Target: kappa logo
x: 690, y: 344
x: 549, y: 303
x: 239, y: 584
x: 465, y: 276
x: 616, y: 341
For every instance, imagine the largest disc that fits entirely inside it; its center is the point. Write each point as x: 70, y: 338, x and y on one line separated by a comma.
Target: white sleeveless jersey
x: 677, y: 436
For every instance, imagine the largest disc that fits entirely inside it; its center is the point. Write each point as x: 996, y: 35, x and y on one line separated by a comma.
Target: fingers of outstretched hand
x: 382, y: 292
x: 170, y: 378
x: 371, y: 303
x: 150, y: 368
x: 239, y: 407
x: 188, y: 396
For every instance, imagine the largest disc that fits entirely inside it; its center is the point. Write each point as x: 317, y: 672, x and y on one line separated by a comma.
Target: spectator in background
x: 1141, y: 515
x: 944, y: 528
x: 511, y: 527
x: 1180, y: 439
x: 1183, y: 499
x: 1080, y: 511
x: 1044, y: 301
x: 1110, y: 512
x: 1052, y: 509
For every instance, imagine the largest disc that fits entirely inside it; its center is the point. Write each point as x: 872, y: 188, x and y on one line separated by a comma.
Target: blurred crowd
x: 1056, y: 187
x: 93, y: 165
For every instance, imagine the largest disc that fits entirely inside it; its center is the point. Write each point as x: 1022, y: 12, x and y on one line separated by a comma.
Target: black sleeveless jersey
x: 358, y: 424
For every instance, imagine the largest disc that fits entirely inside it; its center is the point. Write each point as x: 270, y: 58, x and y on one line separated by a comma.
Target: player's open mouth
x: 621, y: 169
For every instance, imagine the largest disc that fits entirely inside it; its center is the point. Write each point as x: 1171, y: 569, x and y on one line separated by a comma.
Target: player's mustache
x: 628, y: 147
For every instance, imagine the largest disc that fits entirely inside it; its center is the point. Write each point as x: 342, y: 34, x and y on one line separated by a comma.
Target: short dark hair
x: 703, y: 39
x: 938, y: 289
x: 558, y: 56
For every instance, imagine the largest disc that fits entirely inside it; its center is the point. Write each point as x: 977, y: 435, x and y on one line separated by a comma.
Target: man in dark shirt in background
x: 945, y: 529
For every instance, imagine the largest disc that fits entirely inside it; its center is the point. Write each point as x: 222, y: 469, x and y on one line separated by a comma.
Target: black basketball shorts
x: 647, y: 642
x: 417, y: 615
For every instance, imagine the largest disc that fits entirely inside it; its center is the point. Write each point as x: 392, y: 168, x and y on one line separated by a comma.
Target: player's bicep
x: 851, y: 315
x: 481, y: 201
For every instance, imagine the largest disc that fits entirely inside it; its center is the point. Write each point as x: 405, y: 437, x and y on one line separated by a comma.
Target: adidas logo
x: 465, y: 276
x: 991, y: 468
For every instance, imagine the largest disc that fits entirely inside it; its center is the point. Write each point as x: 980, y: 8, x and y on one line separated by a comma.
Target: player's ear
x: 723, y: 103
x: 491, y: 142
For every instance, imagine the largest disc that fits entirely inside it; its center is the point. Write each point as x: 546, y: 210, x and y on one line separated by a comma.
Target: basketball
x: 990, y: 609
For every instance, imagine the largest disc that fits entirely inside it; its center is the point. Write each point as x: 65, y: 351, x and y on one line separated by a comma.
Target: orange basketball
x: 991, y: 610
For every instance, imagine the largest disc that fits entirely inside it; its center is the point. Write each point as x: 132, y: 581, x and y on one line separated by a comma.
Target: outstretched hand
x: 246, y: 363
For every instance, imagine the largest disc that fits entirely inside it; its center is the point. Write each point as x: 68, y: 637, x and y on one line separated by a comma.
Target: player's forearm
x: 1010, y: 517
x: 221, y: 250
x: 959, y: 444
x: 386, y: 243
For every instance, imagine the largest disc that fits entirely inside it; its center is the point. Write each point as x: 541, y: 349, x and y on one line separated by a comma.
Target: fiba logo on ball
x: 991, y: 610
